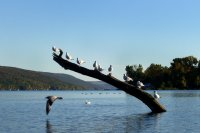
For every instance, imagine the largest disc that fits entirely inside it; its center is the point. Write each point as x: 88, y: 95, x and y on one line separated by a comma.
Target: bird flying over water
x: 50, y: 101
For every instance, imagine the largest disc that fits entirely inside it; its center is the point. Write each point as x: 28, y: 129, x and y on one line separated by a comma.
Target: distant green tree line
x: 183, y: 73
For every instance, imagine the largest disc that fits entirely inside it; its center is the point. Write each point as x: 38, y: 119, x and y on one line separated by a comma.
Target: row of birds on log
x: 96, y: 66
x: 80, y: 62
x: 51, y: 99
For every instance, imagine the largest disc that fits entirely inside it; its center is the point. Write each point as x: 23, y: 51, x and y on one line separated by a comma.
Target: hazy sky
x: 117, y: 32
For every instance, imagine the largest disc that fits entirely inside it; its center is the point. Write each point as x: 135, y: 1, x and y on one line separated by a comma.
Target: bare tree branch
x: 145, y: 97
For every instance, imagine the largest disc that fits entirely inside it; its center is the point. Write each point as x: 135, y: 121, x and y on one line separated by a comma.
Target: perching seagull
x: 50, y: 101
x: 57, y: 50
x: 127, y: 78
x: 95, y: 65
x: 80, y: 61
x: 54, y: 49
x: 140, y: 84
x: 100, y: 68
x: 110, y: 69
x: 155, y: 95
x: 68, y: 56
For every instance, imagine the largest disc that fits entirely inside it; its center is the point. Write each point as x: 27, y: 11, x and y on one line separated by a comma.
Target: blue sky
x: 117, y: 32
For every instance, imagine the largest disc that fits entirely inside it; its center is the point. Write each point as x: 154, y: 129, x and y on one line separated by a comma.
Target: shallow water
x: 110, y: 111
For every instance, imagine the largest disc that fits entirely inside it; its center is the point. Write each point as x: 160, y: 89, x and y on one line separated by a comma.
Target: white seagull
x: 55, y: 49
x: 155, y: 95
x: 110, y: 69
x: 100, y: 69
x: 68, y: 56
x: 127, y: 78
x: 80, y: 61
x: 87, y: 102
x: 50, y: 101
x: 140, y: 84
x: 95, y: 65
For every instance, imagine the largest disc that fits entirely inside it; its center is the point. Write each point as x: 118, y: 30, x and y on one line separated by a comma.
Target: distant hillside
x: 97, y: 85
x: 70, y: 80
x: 16, y: 78
x: 103, y: 86
x: 12, y: 78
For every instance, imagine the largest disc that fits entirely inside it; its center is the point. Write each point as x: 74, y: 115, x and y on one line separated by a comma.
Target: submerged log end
x: 153, y: 103
x: 158, y: 109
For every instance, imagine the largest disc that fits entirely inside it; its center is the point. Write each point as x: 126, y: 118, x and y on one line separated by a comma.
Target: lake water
x: 109, y: 112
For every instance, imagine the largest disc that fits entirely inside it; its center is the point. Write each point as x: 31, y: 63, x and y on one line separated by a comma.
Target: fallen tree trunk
x: 145, y: 97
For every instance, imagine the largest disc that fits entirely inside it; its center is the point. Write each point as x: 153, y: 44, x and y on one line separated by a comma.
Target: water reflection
x: 134, y: 123
x: 142, y: 122
x: 49, y: 127
x: 186, y: 94
x: 181, y: 93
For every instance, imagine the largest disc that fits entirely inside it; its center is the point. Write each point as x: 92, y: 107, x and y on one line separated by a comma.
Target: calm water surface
x: 109, y: 112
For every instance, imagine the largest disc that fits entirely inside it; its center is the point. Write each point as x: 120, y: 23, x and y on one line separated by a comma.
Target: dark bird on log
x: 50, y: 101
x: 110, y: 69
x: 61, y: 52
x: 95, y: 65
x: 57, y: 50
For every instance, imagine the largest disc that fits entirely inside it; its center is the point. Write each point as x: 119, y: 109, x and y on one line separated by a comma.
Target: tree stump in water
x: 145, y: 97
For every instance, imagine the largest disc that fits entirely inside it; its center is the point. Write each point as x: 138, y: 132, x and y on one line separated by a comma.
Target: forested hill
x: 20, y: 79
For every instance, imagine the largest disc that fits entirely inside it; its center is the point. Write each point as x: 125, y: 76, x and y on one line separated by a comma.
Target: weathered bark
x: 145, y: 97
